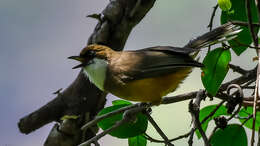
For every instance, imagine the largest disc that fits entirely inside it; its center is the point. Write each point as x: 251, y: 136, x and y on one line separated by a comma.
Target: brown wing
x: 151, y: 62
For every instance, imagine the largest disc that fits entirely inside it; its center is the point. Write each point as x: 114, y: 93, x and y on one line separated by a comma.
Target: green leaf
x: 225, y: 5
x: 215, y: 69
x: 119, y: 101
x: 127, y: 129
x: 238, y: 12
x: 245, y: 112
x: 232, y: 135
x: 139, y: 140
x: 206, y: 111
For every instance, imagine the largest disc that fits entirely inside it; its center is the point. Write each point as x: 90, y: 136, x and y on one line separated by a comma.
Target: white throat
x: 96, y: 72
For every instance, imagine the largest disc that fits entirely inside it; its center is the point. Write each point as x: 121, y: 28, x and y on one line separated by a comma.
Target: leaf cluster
x: 216, y: 67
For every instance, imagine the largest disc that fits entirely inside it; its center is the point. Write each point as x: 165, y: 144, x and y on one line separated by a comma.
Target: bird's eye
x: 91, y: 53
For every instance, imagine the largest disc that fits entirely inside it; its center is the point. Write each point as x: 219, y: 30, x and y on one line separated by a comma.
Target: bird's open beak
x: 78, y: 58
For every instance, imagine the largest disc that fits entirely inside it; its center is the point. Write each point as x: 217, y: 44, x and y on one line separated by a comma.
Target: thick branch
x: 81, y: 96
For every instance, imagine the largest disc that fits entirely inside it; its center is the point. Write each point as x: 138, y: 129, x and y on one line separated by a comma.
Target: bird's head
x: 90, y: 52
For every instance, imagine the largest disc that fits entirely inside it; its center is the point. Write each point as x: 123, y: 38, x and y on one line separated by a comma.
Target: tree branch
x: 113, y: 28
x: 255, y: 41
x: 158, y: 129
x: 194, y: 110
x: 127, y: 108
x: 210, y: 26
x: 81, y: 96
x: 238, y: 69
x: 128, y: 116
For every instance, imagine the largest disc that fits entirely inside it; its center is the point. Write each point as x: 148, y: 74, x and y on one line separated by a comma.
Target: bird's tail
x: 220, y: 34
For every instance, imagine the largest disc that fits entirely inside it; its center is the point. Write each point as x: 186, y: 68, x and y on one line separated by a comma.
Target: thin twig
x: 210, y: 26
x: 246, y: 85
x: 235, y: 113
x: 178, y: 98
x: 121, y: 110
x: 242, y: 118
x: 97, y: 137
x: 242, y: 23
x: 204, y: 120
x: 181, y: 136
x: 250, y: 98
x: 255, y: 40
x: 158, y: 129
x: 194, y: 110
x: 245, y: 45
x: 190, y: 141
x: 249, y: 87
x: 238, y: 69
x: 247, y: 118
x: 213, y: 112
x: 148, y: 137
x: 251, y: 74
x: 250, y: 24
x: 128, y: 116
x: 171, y: 140
x: 251, y: 103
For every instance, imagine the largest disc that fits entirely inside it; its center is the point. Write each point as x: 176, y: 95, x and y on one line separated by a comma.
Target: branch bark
x: 116, y: 22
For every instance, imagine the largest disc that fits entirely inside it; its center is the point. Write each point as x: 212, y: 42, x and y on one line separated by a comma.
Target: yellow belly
x: 151, y: 89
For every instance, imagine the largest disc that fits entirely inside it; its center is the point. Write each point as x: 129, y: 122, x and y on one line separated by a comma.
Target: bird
x: 146, y: 75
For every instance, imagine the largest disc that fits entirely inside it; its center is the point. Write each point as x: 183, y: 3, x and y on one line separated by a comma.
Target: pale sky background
x: 37, y: 36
